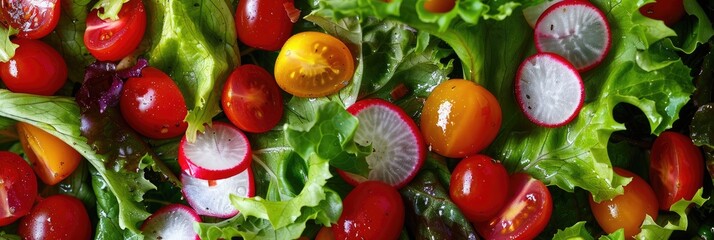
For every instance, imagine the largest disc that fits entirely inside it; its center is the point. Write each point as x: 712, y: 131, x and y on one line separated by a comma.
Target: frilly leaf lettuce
x: 194, y: 41
x: 109, y: 9
x: 7, y: 48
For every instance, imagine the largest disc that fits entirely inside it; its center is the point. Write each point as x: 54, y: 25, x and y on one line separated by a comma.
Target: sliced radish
x: 174, y: 221
x: 398, y: 149
x: 549, y: 90
x: 532, y: 13
x: 576, y: 30
x: 220, y: 152
x: 212, y: 197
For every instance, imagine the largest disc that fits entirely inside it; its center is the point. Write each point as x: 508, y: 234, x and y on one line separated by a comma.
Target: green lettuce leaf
x: 577, y: 231
x: 675, y: 220
x: 109, y: 9
x: 7, y: 48
x: 194, y: 41
x: 6, y: 236
x: 68, y: 38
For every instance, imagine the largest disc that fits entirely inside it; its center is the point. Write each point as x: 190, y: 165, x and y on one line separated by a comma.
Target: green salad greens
x: 654, y: 77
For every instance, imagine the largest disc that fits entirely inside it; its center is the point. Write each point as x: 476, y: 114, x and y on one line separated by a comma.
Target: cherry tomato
x: 264, y: 24
x: 676, y: 169
x: 325, y: 233
x: 460, y: 118
x: 669, y: 11
x: 52, y: 159
x: 57, y: 217
x: 153, y: 105
x: 112, y: 40
x: 36, y: 68
x: 251, y: 99
x: 439, y: 6
x: 313, y: 64
x: 627, y: 210
x: 479, y: 187
x: 33, y: 18
x: 525, y: 214
x: 373, y: 210
x: 18, y: 187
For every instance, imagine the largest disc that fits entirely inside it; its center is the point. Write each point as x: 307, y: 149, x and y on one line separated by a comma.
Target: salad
x: 360, y: 142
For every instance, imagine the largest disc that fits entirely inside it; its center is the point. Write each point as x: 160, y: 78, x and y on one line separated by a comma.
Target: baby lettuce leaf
x: 68, y: 38
x: 109, y: 9
x: 194, y: 41
x: 7, y: 48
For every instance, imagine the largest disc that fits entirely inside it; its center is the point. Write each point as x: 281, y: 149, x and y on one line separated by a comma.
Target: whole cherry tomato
x: 373, y: 210
x: 264, y: 24
x: 36, y: 68
x: 57, y: 217
x: 479, y: 187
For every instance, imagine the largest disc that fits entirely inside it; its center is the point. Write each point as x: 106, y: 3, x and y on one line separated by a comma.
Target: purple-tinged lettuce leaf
x: 103, y: 83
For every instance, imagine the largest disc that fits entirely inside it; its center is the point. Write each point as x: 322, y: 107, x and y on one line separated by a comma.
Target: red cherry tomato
x: 57, y: 217
x: 676, y: 169
x: 36, y: 68
x: 153, y: 105
x: 18, y: 187
x: 669, y: 11
x: 627, y: 210
x: 264, y: 24
x: 252, y: 99
x: 439, y: 6
x: 112, y: 40
x: 373, y: 210
x: 525, y: 214
x: 33, y: 18
x: 479, y: 179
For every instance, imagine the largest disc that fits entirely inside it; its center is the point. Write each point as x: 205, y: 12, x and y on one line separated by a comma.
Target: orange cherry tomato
x: 52, y: 159
x: 460, y: 118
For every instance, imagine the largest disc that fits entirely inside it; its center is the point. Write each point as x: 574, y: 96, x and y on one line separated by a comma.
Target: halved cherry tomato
x: 264, y: 24
x: 479, y: 187
x: 153, y: 105
x: 628, y: 210
x: 460, y: 118
x: 439, y: 6
x: 18, y: 187
x: 313, y: 64
x: 33, y: 18
x: 57, y: 217
x: 251, y: 99
x: 36, y: 68
x: 373, y: 210
x: 669, y: 11
x: 112, y: 40
x: 525, y: 214
x: 52, y: 159
x: 676, y: 168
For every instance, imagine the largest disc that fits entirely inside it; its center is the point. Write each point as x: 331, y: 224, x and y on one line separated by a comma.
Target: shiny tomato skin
x: 669, y: 11
x: 153, y: 105
x: 313, y: 64
x: 18, y: 187
x: 627, y: 210
x: 33, y: 19
x: 52, y: 159
x: 264, y: 24
x: 57, y: 217
x: 676, y: 169
x: 525, y: 214
x: 252, y: 99
x: 372, y: 210
x: 325, y: 233
x: 112, y: 40
x: 439, y: 6
x: 36, y: 68
x: 479, y: 187
x: 460, y: 118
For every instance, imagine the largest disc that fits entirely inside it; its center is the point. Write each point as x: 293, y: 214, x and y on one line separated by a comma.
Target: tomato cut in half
x: 52, y: 159
x: 479, y: 187
x: 669, y: 11
x: 525, y: 214
x: 372, y: 210
x: 18, y: 187
x: 57, y: 217
x: 676, y: 169
x: 264, y: 24
x: 36, y: 68
x: 313, y: 64
x: 34, y: 19
x: 251, y: 99
x: 439, y: 6
x: 112, y: 40
x: 628, y: 210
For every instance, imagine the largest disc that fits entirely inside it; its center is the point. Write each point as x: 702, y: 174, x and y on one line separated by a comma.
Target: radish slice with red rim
x: 173, y: 221
x: 575, y: 30
x: 532, y: 13
x: 549, y: 90
x: 212, y: 197
x: 398, y: 149
x: 219, y: 152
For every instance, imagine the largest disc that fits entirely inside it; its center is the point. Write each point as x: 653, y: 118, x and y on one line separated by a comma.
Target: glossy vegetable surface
x: 33, y: 18
x: 479, y: 186
x: 251, y: 99
x: 52, y: 159
x: 676, y: 169
x: 36, y: 68
x: 372, y: 210
x: 18, y: 187
x: 669, y: 11
x: 264, y: 24
x: 60, y: 217
x: 114, y: 39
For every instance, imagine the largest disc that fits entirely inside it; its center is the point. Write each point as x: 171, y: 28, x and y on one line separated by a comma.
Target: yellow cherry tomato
x: 313, y: 64
x: 460, y: 118
x: 51, y: 158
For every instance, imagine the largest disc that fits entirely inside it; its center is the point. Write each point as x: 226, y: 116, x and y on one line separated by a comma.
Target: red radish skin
x: 173, y: 221
x: 382, y: 124
x: 576, y: 30
x: 212, y: 197
x: 220, y: 152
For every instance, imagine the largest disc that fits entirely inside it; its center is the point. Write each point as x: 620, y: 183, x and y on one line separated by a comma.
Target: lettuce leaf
x: 7, y: 48
x: 109, y: 9
x: 68, y: 38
